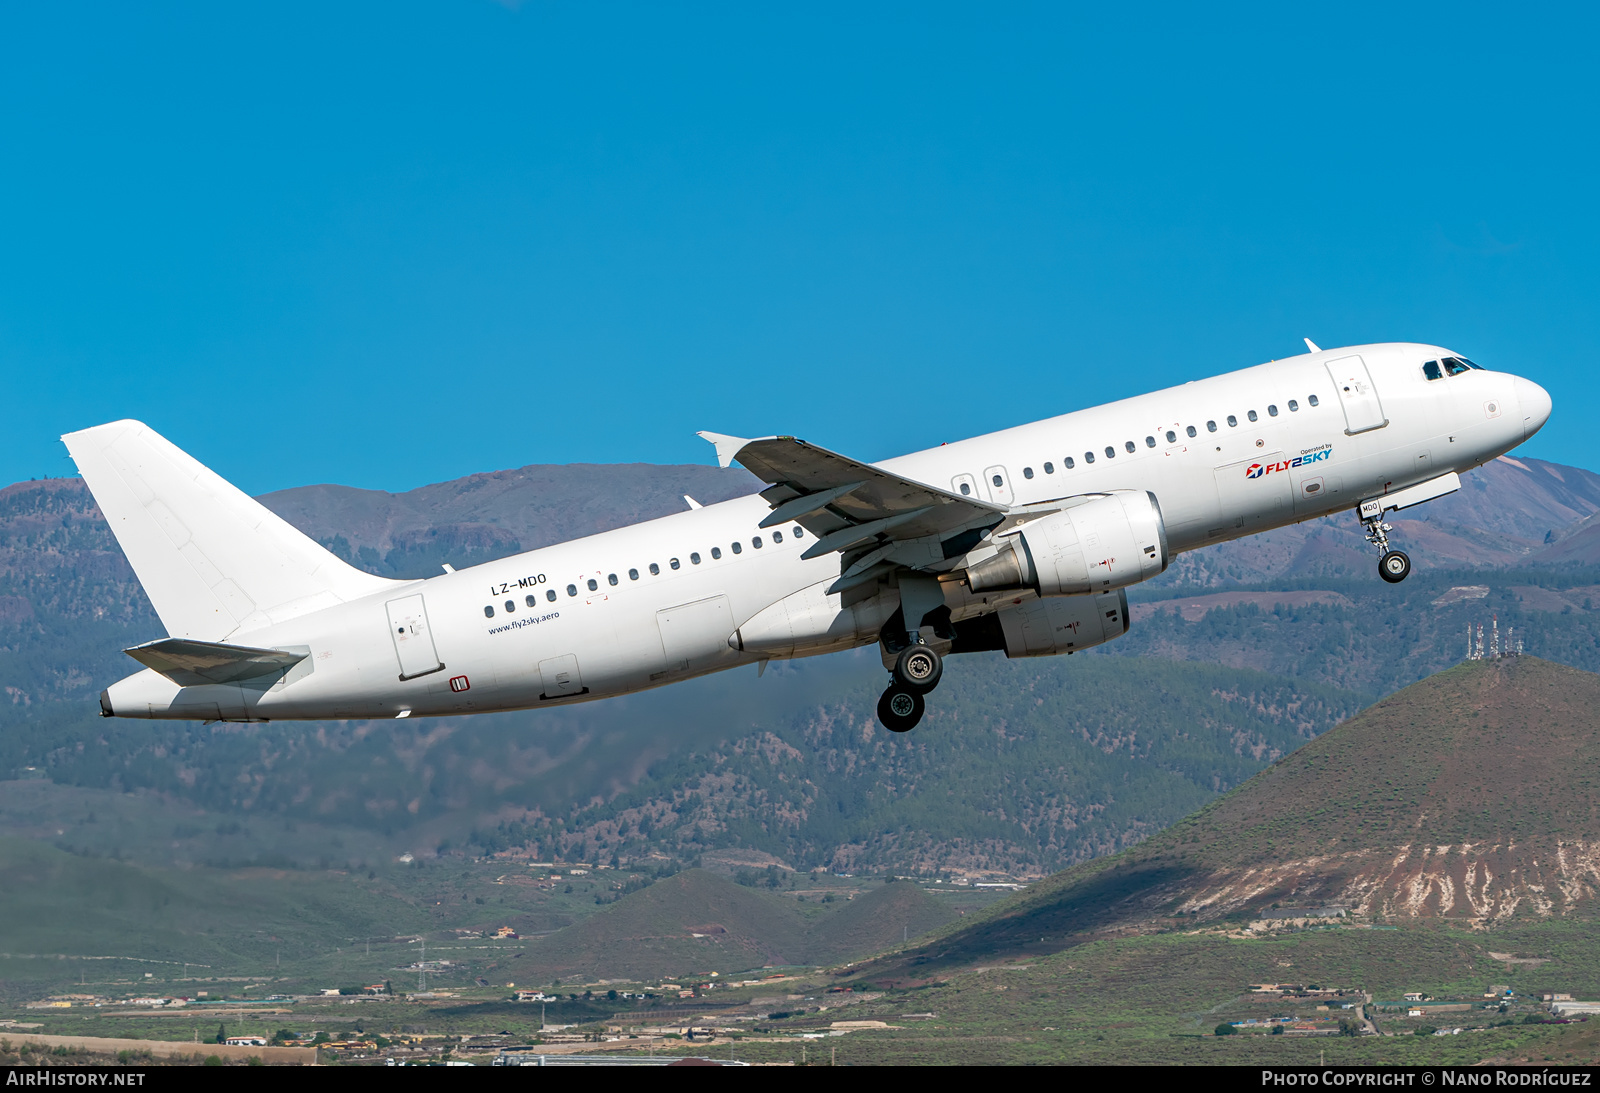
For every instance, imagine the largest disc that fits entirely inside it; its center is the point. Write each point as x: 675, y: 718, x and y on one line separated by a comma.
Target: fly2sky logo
x: 1315, y: 455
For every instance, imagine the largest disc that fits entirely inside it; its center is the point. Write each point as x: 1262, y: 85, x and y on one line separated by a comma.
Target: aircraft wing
x: 867, y: 514
x: 194, y: 663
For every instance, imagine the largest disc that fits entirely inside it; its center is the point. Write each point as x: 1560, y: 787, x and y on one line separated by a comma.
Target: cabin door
x: 413, y: 640
x: 1357, y: 394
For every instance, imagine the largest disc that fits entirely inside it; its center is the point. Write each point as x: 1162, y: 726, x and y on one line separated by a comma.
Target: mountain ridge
x: 1433, y: 803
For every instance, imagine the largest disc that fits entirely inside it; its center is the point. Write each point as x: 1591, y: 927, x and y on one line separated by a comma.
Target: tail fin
x: 213, y: 561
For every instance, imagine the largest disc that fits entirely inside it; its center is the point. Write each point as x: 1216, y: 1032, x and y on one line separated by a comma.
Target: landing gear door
x: 1357, y: 394
x: 413, y: 640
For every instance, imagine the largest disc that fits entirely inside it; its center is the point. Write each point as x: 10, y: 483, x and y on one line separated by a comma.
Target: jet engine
x: 1109, y: 542
x: 1046, y: 627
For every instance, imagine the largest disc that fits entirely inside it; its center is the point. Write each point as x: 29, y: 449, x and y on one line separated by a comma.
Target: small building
x: 506, y: 932
x: 246, y: 1041
x: 1554, y: 996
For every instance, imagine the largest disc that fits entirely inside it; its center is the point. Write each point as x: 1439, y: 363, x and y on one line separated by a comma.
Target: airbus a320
x: 1022, y: 541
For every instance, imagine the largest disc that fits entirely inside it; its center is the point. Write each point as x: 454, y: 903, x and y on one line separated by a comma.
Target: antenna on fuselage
x: 1311, y: 345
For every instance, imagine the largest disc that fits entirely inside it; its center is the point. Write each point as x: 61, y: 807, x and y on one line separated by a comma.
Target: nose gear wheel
x: 1394, y: 566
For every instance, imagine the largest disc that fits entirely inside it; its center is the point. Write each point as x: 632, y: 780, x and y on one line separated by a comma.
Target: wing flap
x: 846, y: 503
x: 195, y: 663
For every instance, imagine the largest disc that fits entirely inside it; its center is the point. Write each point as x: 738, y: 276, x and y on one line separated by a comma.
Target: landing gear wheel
x: 900, y: 708
x: 1394, y: 566
x: 918, y: 669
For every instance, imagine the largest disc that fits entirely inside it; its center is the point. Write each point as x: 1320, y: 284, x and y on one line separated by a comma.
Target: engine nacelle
x: 1047, y: 627
x: 1110, y: 542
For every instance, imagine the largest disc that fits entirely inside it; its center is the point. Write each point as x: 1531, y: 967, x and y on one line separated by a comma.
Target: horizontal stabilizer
x: 194, y: 663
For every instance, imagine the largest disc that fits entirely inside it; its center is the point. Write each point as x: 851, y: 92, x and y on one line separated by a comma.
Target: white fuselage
x: 658, y: 601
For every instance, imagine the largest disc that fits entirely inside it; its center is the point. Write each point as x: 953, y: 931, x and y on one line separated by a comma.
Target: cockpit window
x: 1469, y: 364
x: 1431, y: 370
x: 1454, y: 366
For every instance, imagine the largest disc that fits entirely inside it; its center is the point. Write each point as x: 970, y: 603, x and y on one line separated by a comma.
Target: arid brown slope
x: 1473, y: 795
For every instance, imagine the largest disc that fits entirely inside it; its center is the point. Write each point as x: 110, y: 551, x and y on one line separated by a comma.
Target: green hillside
x: 697, y: 922
x: 1469, y: 797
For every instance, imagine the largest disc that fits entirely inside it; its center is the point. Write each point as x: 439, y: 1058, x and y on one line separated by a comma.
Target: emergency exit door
x: 413, y: 641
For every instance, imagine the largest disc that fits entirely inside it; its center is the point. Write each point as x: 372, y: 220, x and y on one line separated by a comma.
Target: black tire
x: 918, y: 668
x: 1394, y: 566
x: 900, y: 708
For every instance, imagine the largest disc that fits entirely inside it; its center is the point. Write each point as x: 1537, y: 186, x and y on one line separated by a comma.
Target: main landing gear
x: 916, y: 672
x: 1393, y: 565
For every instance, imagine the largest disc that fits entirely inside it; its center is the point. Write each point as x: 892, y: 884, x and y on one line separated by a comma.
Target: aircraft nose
x: 1535, y: 404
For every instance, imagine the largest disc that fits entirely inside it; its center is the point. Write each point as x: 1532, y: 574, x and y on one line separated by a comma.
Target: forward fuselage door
x: 413, y: 640
x: 1357, y: 394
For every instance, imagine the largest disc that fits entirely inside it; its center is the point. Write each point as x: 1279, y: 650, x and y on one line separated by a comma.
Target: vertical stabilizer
x: 213, y: 560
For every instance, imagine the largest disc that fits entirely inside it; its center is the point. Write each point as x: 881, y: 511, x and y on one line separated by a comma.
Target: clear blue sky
x: 393, y: 243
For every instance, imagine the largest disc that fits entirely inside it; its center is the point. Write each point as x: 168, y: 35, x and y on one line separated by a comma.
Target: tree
x: 222, y: 1034
x: 1226, y: 1029
x: 1349, y: 1028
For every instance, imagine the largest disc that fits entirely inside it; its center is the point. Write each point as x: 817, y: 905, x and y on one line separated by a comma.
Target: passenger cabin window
x: 1312, y: 399
x: 799, y: 532
x: 1049, y: 468
x: 1272, y: 410
x: 531, y: 602
x: 965, y: 489
x: 1453, y: 366
x: 1233, y: 422
x: 1129, y: 446
x: 1088, y: 457
x: 1431, y: 371
x: 756, y: 542
x: 777, y: 537
x: 1190, y: 430
x: 1172, y: 437
x: 1111, y: 453
x: 511, y: 605
x: 694, y: 559
x: 655, y: 570
x: 1027, y: 472
x: 1068, y: 463
x: 1251, y: 415
x: 550, y: 594
x: 1293, y: 406
x: 1211, y: 426
x: 488, y: 612
x: 738, y: 547
x: 673, y: 563
x: 572, y: 590
x: 1149, y: 442
x: 594, y: 585
x: 716, y: 552
x: 633, y: 574
x: 611, y: 579
x: 998, y: 481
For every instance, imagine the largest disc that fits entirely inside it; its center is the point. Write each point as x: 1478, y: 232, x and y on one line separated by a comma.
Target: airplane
x: 1023, y: 541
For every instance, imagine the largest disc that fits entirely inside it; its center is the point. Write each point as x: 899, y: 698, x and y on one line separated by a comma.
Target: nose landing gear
x: 916, y: 672
x: 1394, y: 566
